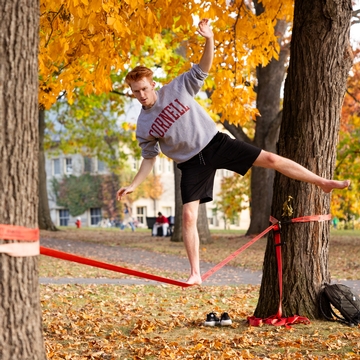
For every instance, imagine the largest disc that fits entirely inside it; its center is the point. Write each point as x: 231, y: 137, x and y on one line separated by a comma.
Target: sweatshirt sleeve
x: 149, y: 149
x: 194, y: 80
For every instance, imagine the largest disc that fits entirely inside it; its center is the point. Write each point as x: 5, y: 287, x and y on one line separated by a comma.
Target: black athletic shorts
x: 222, y: 152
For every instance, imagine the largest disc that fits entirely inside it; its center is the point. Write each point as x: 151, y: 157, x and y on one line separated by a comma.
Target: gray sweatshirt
x: 176, y: 123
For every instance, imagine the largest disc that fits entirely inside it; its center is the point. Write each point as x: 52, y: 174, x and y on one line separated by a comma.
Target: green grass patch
x: 345, y: 233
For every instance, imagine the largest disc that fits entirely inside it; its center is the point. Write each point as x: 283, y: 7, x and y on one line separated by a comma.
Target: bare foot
x: 194, y: 280
x: 330, y: 185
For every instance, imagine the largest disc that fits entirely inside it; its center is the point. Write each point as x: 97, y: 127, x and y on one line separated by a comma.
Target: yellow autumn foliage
x: 83, y: 41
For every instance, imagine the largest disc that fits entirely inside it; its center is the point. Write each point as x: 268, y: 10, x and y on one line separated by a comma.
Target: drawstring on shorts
x: 201, y: 158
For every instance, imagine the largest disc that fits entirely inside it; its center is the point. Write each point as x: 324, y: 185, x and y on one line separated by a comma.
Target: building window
x: 64, y: 217
x: 169, y: 165
x: 160, y: 165
x: 95, y: 216
x: 166, y: 210
x: 87, y: 165
x: 100, y: 166
x: 213, y: 219
x: 134, y: 163
x: 235, y: 220
x: 56, y: 167
x: 141, y: 214
x: 68, y: 166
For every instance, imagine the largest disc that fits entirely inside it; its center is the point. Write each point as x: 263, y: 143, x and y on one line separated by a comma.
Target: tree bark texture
x: 269, y: 81
x: 203, y: 225
x: 44, y: 221
x: 177, y: 234
x: 314, y: 90
x: 20, y: 313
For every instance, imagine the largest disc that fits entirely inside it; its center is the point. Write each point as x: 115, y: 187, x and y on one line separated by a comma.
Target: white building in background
x: 60, y: 165
x: 64, y: 165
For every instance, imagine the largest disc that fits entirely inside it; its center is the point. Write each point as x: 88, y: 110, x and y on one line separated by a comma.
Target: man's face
x: 144, y: 91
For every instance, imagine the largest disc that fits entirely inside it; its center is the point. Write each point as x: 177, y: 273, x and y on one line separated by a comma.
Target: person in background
x: 335, y: 222
x: 128, y: 220
x: 161, y: 221
x: 78, y: 222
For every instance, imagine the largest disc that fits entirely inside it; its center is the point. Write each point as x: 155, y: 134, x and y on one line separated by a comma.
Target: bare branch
x: 51, y: 24
x: 121, y: 93
x: 237, y: 131
x: 352, y: 96
x: 274, y: 129
x: 355, y: 17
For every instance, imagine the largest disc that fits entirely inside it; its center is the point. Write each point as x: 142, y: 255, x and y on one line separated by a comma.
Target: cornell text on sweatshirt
x: 176, y: 123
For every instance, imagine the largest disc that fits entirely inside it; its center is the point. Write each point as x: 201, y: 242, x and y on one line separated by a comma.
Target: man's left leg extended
x: 296, y: 171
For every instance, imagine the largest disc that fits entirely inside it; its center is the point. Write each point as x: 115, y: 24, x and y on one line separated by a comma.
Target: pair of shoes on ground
x: 213, y: 320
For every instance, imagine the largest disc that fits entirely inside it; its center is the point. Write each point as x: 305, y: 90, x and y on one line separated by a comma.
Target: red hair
x: 138, y: 73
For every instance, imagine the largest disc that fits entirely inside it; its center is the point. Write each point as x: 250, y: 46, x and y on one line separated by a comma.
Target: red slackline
x: 22, y: 233
x: 235, y: 253
x: 75, y: 258
x: 278, y: 319
x: 81, y: 260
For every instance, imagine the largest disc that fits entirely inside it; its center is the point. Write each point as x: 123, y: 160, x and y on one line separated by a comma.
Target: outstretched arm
x: 208, y: 54
x: 145, y: 168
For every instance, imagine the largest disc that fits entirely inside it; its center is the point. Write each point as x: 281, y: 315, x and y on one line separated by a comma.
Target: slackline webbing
x: 278, y: 319
x: 22, y: 234
x: 81, y: 260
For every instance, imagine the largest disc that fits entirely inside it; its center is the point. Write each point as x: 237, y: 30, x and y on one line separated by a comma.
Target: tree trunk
x: 202, y: 223
x: 44, y: 220
x: 20, y: 313
x: 270, y: 79
x: 177, y: 234
x: 314, y: 91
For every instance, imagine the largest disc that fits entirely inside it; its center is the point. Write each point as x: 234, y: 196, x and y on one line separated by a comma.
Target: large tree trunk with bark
x: 202, y: 223
x: 267, y: 128
x: 177, y: 234
x: 314, y: 92
x: 20, y: 314
x: 44, y: 218
x: 270, y: 79
x: 269, y: 82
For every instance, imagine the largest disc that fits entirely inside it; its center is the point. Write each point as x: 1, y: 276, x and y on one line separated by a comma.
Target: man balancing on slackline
x: 172, y: 120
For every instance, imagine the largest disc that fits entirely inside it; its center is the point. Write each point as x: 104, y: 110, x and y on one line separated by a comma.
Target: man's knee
x: 268, y: 160
x: 189, y: 215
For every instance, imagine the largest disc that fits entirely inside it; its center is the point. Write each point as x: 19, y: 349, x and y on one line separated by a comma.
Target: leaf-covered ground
x: 166, y: 322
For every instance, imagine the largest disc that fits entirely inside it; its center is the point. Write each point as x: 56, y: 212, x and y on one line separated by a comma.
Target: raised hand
x: 204, y: 29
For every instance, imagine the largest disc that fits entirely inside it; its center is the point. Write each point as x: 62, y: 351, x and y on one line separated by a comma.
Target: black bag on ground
x: 342, y: 298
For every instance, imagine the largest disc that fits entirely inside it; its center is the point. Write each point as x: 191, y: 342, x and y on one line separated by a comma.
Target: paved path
x: 228, y: 275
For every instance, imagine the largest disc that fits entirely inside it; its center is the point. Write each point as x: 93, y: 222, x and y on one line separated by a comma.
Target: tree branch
x: 356, y: 15
x: 51, y: 24
x: 274, y: 128
x: 352, y: 96
x: 121, y: 93
x: 237, y: 131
